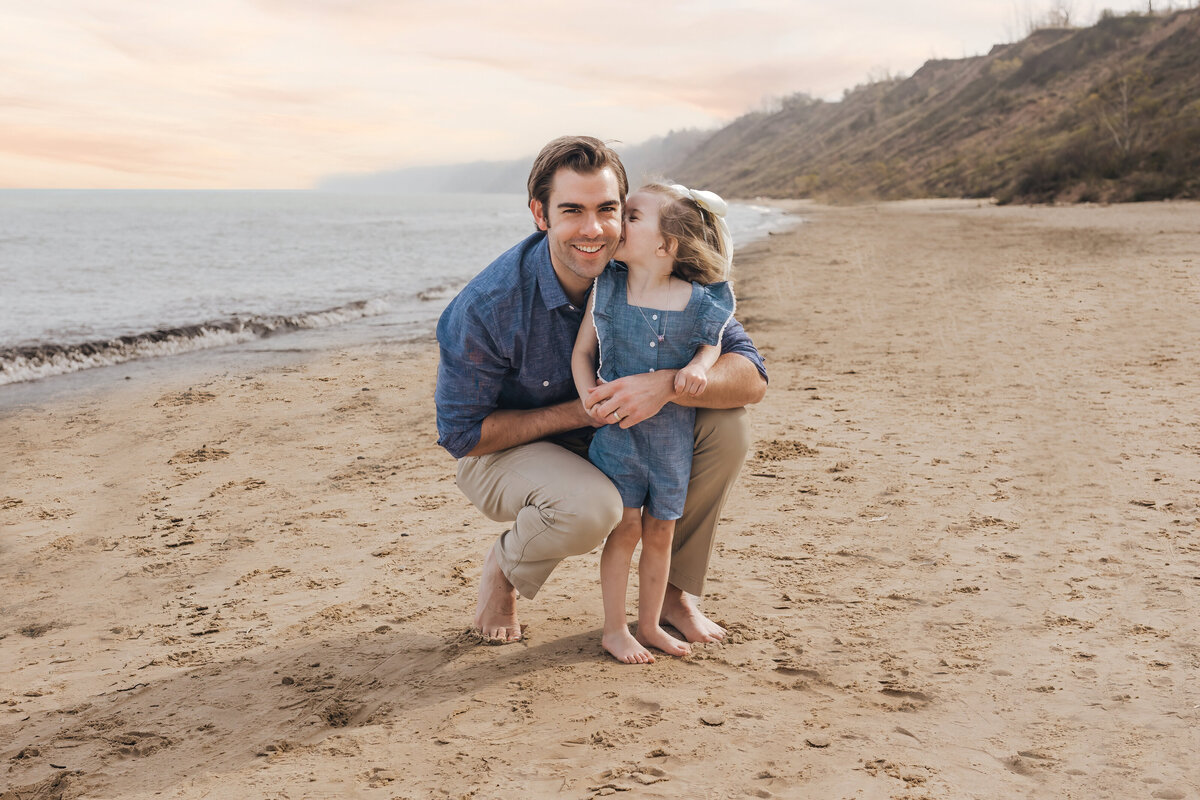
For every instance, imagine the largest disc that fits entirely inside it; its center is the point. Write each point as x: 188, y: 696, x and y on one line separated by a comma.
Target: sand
x: 961, y: 561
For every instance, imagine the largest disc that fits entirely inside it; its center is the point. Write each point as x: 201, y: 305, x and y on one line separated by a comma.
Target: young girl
x: 667, y: 310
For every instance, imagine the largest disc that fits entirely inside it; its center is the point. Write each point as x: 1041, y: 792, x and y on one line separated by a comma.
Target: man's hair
x: 700, y: 255
x: 583, y: 154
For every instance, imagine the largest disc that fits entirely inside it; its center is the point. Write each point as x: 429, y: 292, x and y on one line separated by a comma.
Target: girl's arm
x: 583, y: 360
x: 693, y: 378
x: 734, y: 382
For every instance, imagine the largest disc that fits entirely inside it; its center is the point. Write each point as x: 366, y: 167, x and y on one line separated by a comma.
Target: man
x: 508, y: 410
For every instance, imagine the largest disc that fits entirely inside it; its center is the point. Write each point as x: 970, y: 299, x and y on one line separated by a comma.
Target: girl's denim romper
x: 651, y: 462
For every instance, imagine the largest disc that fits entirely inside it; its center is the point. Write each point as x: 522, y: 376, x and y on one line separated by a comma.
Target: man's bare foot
x: 680, y: 612
x: 625, y: 648
x: 656, y: 637
x: 496, y: 614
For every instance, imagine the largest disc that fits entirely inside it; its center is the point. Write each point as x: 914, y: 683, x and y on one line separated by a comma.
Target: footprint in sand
x: 57, y: 785
x: 54, y: 513
x: 908, y: 699
x: 626, y: 778
x: 35, y: 629
x: 203, y: 453
x: 782, y: 450
x: 137, y: 744
x: 184, y: 398
x: 426, y: 502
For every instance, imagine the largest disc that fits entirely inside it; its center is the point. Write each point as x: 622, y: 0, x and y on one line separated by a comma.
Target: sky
x: 276, y: 94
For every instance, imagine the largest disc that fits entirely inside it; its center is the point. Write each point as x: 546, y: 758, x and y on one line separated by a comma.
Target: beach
x: 962, y: 559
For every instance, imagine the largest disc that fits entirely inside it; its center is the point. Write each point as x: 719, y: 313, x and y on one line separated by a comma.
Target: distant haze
x: 275, y: 94
x: 652, y: 159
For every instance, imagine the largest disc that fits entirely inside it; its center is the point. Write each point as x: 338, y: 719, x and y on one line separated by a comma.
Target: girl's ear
x: 669, y: 246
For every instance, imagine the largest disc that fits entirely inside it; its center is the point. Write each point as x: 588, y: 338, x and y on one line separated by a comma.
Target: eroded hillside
x: 1107, y: 113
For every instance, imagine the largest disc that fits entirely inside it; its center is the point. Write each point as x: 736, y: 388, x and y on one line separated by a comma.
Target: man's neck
x: 573, y: 286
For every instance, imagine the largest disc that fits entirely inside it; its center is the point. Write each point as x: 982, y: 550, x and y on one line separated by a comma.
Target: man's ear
x: 539, y: 215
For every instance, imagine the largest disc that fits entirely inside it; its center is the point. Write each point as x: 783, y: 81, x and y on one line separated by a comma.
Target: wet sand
x: 962, y: 560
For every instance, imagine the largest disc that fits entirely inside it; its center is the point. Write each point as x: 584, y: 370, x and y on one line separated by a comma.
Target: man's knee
x: 544, y: 488
x: 590, y: 514
x: 723, y: 434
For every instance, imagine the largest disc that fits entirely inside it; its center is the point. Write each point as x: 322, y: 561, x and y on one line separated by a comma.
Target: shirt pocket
x: 547, y: 381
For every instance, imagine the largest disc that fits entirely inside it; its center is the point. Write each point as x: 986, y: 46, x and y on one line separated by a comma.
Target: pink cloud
x: 140, y: 155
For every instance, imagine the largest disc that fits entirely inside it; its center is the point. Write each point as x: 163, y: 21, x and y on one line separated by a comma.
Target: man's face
x: 582, y: 220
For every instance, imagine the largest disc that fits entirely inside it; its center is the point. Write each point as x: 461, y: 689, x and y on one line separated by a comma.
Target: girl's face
x: 642, y: 241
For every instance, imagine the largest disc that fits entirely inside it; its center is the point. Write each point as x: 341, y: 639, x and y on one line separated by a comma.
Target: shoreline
x: 959, y: 563
x: 370, y: 318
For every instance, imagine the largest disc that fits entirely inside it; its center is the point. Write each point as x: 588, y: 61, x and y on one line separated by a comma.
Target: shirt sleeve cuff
x: 459, y: 443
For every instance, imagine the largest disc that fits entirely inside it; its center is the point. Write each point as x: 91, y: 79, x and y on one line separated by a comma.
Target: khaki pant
x: 560, y: 505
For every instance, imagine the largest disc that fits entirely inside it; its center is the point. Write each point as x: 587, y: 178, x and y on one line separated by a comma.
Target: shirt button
x: 652, y: 369
x: 654, y: 316
x: 545, y: 383
x: 652, y: 344
x: 574, y: 309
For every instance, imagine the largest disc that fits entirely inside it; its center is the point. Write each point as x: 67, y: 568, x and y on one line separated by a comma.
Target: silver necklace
x: 666, y: 314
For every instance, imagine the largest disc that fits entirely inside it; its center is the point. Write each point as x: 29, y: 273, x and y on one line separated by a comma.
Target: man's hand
x: 732, y: 382
x: 632, y: 399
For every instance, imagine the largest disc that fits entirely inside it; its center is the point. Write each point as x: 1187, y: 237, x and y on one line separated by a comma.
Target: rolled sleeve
x: 470, y: 375
x: 736, y: 340
x: 717, y: 312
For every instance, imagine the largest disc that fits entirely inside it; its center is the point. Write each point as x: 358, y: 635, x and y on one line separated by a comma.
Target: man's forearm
x: 733, y: 382
x: 505, y: 428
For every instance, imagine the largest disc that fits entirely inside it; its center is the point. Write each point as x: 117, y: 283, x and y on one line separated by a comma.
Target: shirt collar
x: 549, y: 288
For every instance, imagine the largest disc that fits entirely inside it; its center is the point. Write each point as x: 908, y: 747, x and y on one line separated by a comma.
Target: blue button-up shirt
x: 506, y: 342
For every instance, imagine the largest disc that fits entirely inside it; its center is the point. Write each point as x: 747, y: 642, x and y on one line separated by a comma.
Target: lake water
x: 95, y: 278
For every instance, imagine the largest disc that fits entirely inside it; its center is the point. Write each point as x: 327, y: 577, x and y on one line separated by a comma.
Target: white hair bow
x: 717, y: 207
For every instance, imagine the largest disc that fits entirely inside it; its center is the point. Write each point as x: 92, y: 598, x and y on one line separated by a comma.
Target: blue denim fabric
x: 506, y: 340
x: 650, y: 463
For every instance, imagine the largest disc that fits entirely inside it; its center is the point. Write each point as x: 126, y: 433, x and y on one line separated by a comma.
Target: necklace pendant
x: 661, y: 337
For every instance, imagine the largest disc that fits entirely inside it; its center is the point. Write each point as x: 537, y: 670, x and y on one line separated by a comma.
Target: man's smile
x: 588, y: 248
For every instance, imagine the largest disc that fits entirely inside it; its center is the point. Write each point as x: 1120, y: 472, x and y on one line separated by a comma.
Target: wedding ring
x: 618, y: 416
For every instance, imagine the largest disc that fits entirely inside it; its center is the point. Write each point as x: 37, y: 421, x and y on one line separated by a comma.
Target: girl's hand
x: 595, y: 415
x: 691, y: 380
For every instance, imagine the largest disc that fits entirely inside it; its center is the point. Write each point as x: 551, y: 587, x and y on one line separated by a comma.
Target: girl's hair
x: 701, y: 255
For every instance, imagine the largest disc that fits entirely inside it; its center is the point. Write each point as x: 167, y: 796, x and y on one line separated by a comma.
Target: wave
x: 443, y: 291
x: 18, y: 364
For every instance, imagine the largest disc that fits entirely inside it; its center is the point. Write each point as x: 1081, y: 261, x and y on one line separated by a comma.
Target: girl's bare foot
x: 625, y: 648
x: 658, y: 638
x: 680, y: 612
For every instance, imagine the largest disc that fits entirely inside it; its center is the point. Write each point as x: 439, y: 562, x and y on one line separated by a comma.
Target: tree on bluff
x: 1122, y: 107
